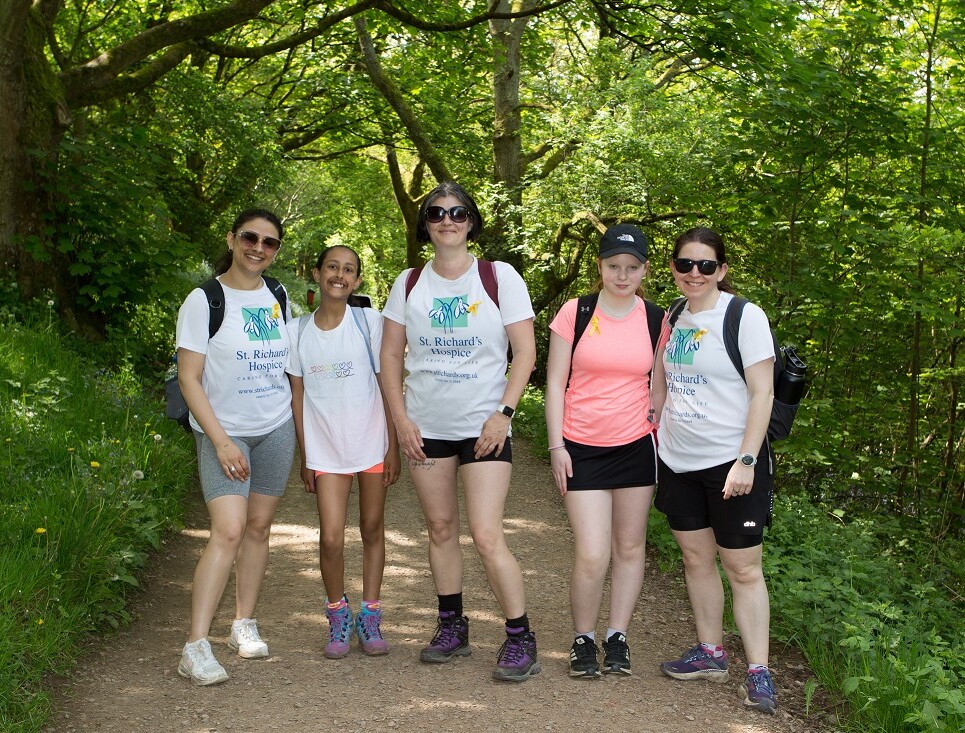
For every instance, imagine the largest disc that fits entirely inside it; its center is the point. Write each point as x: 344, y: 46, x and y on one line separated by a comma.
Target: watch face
x: 748, y: 460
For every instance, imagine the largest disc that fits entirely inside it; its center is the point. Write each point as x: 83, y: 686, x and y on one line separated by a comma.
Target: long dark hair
x: 710, y: 238
x: 224, y: 261
x: 449, y: 188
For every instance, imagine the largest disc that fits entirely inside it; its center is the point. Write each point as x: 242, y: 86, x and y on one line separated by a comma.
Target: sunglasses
x: 457, y: 214
x: 251, y: 239
x: 704, y: 267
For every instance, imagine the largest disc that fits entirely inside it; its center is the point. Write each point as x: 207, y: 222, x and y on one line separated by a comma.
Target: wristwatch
x: 748, y: 459
x: 506, y: 410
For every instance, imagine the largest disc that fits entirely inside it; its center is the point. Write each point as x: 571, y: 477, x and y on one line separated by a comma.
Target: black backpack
x: 175, y: 406
x: 788, y: 383
x: 586, y: 304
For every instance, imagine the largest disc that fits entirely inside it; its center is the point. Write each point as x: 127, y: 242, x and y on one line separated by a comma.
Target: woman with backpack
x: 335, y: 383
x: 236, y: 389
x: 449, y: 325
x: 715, y: 475
x: 601, y: 443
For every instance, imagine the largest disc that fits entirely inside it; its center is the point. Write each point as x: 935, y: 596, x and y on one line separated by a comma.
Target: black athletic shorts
x: 697, y: 498
x: 464, y: 449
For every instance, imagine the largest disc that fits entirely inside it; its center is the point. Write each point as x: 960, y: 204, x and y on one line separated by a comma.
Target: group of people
x: 636, y: 408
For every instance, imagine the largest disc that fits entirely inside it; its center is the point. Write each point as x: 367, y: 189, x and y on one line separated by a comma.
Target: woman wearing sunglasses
x: 450, y: 336
x: 235, y: 386
x: 715, y: 476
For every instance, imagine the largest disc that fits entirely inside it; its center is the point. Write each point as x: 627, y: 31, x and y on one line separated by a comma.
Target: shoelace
x: 248, y: 634
x: 341, y: 625
x: 513, y: 649
x: 698, y: 653
x: 761, y: 682
x: 445, y: 633
x: 585, y: 651
x: 370, y: 626
x: 199, y: 656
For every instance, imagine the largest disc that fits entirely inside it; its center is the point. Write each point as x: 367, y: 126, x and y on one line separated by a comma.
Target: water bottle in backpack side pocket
x: 790, y: 387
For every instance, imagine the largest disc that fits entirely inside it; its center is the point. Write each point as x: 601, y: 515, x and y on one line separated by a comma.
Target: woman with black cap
x: 601, y: 442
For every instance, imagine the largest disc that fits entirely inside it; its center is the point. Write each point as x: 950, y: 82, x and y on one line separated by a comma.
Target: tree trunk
x: 508, y: 165
x: 33, y: 118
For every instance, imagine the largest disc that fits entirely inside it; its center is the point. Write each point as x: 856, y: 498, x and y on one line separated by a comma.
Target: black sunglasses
x: 250, y: 239
x: 457, y: 214
x: 704, y: 267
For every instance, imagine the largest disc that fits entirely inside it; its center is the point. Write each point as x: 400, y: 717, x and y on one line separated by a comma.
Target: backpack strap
x: 732, y: 325
x: 487, y: 273
x: 278, y: 290
x: 303, y: 322
x: 585, y: 305
x: 414, y: 274
x: 654, y: 322
x: 214, y: 292
x: 674, y: 311
x: 362, y: 323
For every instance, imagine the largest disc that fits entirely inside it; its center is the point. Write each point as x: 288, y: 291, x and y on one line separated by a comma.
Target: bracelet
x: 556, y: 447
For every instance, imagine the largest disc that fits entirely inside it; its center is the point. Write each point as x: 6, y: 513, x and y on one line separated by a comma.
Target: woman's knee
x: 442, y: 530
x: 228, y: 535
x: 489, y: 542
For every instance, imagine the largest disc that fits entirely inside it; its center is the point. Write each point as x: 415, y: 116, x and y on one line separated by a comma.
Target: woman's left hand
x: 740, y: 480
x: 493, y: 435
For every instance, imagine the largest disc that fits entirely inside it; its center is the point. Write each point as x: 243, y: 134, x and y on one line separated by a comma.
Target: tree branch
x: 390, y: 92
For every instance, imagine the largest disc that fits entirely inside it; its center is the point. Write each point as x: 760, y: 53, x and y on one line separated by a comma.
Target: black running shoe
x: 616, y: 655
x: 583, y: 658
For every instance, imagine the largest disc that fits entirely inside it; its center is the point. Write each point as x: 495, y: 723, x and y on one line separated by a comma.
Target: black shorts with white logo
x: 697, y: 498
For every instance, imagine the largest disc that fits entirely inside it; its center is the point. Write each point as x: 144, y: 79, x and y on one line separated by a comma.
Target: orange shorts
x: 374, y: 469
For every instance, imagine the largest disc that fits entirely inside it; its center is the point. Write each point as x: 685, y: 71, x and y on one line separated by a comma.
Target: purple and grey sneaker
x: 697, y: 664
x: 758, y: 692
x: 450, y: 640
x: 517, y: 660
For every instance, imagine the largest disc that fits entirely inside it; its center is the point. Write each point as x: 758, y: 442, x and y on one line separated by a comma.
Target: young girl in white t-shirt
x: 335, y: 382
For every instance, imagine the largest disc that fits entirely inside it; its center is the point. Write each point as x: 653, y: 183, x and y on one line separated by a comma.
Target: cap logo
x: 625, y: 238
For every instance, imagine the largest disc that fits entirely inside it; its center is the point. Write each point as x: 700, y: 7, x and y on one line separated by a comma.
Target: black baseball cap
x: 624, y: 239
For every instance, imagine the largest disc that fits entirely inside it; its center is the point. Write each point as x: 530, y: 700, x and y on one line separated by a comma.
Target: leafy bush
x: 91, y: 474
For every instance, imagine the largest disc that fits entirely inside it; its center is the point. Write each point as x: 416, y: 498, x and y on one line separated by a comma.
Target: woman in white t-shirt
x: 342, y: 433
x: 449, y: 325
x: 236, y: 389
x: 602, y: 448
x: 715, y: 474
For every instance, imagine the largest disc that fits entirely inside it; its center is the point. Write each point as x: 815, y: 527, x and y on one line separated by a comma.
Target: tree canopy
x: 824, y: 140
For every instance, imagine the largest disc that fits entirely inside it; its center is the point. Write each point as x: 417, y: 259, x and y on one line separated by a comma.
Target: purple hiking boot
x: 450, y: 640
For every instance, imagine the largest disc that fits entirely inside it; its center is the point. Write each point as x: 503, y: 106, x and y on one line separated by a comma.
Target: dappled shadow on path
x: 128, y: 682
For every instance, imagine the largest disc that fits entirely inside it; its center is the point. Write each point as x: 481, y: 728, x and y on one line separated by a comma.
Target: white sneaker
x: 199, y: 665
x: 245, y: 638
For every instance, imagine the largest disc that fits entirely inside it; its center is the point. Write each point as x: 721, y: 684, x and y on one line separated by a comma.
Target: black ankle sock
x: 518, y: 623
x: 451, y: 603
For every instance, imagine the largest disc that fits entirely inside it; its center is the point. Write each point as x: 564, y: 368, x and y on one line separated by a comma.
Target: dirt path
x: 129, y: 683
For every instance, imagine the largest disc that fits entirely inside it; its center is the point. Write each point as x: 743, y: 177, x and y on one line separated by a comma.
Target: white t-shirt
x: 244, y: 366
x: 344, y: 420
x: 705, y: 413
x: 457, y: 343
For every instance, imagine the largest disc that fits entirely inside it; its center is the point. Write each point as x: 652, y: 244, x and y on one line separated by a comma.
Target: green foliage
x: 91, y: 475
x: 872, y: 614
